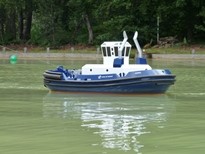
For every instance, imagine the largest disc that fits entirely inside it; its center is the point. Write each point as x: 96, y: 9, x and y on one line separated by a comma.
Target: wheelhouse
x: 112, y: 51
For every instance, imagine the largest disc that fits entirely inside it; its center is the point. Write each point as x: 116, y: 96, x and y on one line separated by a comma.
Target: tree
x: 8, y: 18
x: 16, y: 20
x: 201, y: 25
x: 113, y: 17
x: 58, y: 22
x: 25, y: 12
x: 83, y: 18
x: 49, y: 26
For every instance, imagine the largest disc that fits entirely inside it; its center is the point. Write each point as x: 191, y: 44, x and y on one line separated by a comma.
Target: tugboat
x: 115, y: 75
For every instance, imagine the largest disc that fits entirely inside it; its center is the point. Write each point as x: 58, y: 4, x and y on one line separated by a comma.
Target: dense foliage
x: 58, y: 22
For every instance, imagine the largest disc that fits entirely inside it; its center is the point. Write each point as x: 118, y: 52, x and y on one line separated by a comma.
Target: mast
x: 137, y: 45
x: 140, y: 59
x: 123, y: 43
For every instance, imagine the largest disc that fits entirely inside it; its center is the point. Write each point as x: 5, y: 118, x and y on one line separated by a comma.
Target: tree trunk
x: 28, y: 20
x: 1, y: 31
x: 90, y: 30
x: 21, y: 25
x: 10, y: 32
x: 76, y: 30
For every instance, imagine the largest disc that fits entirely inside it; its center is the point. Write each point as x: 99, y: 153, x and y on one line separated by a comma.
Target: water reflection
x: 118, y: 119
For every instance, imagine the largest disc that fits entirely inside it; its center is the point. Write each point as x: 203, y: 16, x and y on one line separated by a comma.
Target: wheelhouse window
x: 116, y: 51
x: 108, y: 51
x: 104, y: 51
x: 127, y: 51
x: 123, y: 51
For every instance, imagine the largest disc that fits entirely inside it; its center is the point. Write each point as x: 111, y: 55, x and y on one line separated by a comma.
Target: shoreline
x: 52, y: 56
x: 179, y: 56
x: 92, y: 56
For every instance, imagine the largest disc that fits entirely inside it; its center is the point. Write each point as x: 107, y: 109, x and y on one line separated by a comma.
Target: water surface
x: 34, y: 120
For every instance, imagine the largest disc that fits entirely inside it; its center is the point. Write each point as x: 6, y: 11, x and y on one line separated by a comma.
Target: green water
x: 36, y: 121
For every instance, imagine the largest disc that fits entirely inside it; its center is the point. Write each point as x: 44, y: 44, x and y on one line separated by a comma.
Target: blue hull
x: 145, y: 84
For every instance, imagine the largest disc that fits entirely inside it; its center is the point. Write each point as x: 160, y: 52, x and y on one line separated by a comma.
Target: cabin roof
x: 115, y: 43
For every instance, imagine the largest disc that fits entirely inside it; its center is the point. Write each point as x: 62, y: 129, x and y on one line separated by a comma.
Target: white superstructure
x: 116, y: 59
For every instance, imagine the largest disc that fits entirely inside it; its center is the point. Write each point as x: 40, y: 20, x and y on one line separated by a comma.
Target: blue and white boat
x: 115, y: 75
